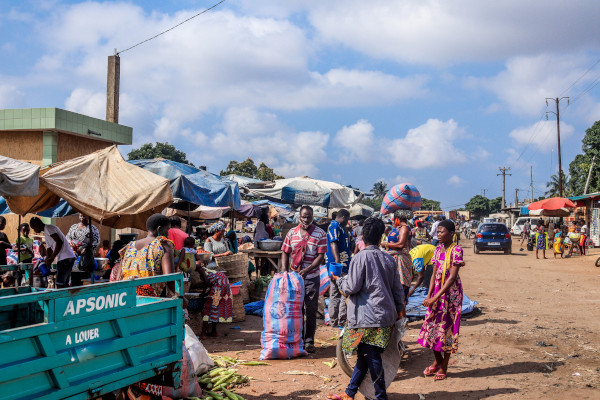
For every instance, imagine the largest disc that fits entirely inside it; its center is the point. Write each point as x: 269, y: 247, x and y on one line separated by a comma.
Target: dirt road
x: 537, y: 336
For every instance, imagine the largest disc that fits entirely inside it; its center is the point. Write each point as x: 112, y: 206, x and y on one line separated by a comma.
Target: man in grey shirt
x: 375, y: 302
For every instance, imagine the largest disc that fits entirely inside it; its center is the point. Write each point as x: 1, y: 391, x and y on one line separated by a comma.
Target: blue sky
x: 436, y: 93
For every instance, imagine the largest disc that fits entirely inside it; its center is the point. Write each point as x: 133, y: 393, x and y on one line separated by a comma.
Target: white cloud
x: 85, y: 101
x: 247, y: 132
x: 9, y: 95
x: 357, y: 141
x: 429, y: 145
x: 541, y: 134
x: 526, y: 82
x: 439, y: 32
x: 455, y: 180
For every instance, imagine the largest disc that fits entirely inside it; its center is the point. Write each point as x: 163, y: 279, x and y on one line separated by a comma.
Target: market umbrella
x: 101, y: 185
x: 553, y: 203
x: 192, y: 187
x: 357, y: 211
x: 304, y: 190
x: 404, y: 196
x: 18, y: 178
x: 561, y: 212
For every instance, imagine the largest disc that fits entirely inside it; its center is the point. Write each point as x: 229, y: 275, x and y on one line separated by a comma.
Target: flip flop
x: 439, y: 376
x: 334, y: 397
x: 430, y: 371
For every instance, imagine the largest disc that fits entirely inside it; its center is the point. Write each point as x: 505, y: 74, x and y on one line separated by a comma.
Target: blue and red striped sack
x: 404, y: 196
x: 325, y: 280
x: 281, y: 337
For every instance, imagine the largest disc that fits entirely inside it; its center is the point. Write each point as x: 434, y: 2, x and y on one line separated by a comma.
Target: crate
x: 87, y: 341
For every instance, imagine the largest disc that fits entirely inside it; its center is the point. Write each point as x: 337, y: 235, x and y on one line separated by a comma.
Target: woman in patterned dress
x: 219, y: 302
x: 150, y: 256
x: 444, y: 301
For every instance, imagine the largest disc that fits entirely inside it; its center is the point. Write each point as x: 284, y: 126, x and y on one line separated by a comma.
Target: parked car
x: 517, y: 228
x: 492, y: 236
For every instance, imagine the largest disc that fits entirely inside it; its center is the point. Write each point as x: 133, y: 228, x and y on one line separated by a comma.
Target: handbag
x: 299, y: 251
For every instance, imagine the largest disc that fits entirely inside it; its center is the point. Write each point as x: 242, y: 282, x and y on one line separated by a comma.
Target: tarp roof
x: 101, y: 185
x: 305, y: 190
x: 586, y: 196
x: 193, y: 186
x: 18, y: 178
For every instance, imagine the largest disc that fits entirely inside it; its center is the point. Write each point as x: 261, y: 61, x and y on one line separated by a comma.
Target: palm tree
x: 379, y: 189
x: 554, y: 187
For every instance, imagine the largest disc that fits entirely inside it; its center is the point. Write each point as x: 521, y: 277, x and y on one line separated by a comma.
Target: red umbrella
x: 554, y: 203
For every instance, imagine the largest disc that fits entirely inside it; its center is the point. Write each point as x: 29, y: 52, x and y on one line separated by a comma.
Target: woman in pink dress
x: 444, y: 301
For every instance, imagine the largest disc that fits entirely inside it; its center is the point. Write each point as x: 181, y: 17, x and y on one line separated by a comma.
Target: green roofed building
x: 44, y: 136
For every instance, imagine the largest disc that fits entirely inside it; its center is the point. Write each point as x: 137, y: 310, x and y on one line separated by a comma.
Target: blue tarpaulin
x: 194, y: 186
x: 62, y: 209
x: 525, y: 210
x: 416, y: 310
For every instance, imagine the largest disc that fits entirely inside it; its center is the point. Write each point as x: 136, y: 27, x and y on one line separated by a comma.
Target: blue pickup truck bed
x: 80, y: 343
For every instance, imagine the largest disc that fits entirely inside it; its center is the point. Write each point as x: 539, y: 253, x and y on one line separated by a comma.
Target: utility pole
x: 484, y: 190
x: 587, y: 181
x: 531, y: 182
x: 557, y: 113
x: 516, y: 197
x: 112, y: 88
x: 503, y: 171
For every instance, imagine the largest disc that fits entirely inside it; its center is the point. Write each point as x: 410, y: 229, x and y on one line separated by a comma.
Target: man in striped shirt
x: 304, y: 250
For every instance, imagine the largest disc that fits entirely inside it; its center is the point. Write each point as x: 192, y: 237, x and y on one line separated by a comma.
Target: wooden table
x: 274, y: 257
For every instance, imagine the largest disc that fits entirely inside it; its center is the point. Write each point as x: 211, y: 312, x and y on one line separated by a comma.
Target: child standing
x: 558, y: 244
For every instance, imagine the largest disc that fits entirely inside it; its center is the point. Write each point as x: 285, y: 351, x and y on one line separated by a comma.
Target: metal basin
x: 205, y: 257
x: 270, y: 245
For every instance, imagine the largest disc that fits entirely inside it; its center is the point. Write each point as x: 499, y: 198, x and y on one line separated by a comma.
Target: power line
x: 171, y: 28
x: 581, y: 77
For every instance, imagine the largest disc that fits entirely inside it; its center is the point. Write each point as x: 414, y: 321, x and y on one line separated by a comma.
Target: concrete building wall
x: 71, y: 146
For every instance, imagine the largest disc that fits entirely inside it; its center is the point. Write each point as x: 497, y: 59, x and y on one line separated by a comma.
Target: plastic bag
x: 325, y: 280
x: 198, y: 353
x: 282, y: 318
x: 390, y: 358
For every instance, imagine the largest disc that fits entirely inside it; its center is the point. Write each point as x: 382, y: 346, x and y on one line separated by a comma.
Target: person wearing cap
x: 444, y: 302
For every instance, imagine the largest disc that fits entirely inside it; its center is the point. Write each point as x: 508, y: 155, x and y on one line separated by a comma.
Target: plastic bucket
x: 335, y: 269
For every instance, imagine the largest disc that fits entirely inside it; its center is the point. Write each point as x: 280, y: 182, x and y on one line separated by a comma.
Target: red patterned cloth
x: 316, y: 244
x: 219, y: 306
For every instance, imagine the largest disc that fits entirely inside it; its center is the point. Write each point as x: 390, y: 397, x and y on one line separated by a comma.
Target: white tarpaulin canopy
x: 304, y: 190
x: 202, y: 212
x: 18, y: 178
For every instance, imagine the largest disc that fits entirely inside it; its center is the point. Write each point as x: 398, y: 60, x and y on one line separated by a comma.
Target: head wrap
x: 404, y: 214
x: 246, y: 239
x: 216, y: 227
x: 449, y: 225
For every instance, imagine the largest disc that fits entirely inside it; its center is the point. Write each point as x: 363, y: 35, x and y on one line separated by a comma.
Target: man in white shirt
x: 57, y: 247
x: 433, y: 231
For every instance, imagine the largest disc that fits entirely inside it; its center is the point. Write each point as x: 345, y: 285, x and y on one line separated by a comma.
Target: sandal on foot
x: 430, y: 371
x: 439, y: 376
x: 335, y: 396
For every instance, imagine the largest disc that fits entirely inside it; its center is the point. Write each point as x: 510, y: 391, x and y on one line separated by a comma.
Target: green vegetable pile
x: 218, y: 383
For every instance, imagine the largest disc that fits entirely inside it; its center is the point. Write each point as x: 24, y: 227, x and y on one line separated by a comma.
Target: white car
x: 517, y: 228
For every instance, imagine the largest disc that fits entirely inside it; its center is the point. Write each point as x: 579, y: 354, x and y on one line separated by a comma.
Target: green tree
x: 479, y: 206
x: 245, y: 168
x: 553, y: 187
x: 379, y: 189
x: 495, y: 205
x: 249, y: 169
x: 373, y: 203
x: 427, y: 204
x: 159, y: 150
x: 265, y: 173
x: 580, y: 166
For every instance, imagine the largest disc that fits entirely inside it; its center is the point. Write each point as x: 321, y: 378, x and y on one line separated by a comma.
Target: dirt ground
x: 536, y: 335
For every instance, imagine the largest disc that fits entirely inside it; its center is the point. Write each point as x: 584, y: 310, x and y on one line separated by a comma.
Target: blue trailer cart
x: 83, y: 342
